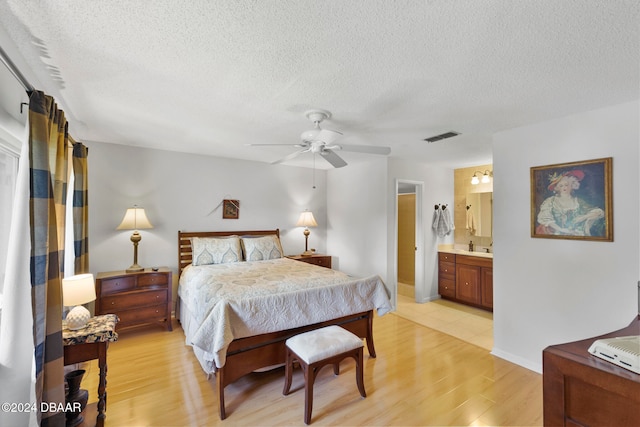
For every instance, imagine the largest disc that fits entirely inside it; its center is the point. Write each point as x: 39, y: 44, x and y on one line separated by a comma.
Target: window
x: 8, y: 174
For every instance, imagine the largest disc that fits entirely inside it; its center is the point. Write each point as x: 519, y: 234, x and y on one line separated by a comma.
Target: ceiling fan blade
x: 370, y: 149
x: 328, y: 136
x: 298, y: 144
x: 333, y: 158
x: 291, y: 156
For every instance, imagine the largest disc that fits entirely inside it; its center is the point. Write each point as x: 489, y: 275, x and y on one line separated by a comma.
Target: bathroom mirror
x: 479, y: 214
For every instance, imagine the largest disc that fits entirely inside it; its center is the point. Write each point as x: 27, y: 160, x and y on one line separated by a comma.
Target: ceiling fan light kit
x: 322, y: 141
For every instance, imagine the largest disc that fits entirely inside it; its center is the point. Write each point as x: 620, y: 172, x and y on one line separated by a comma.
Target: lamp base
x: 77, y: 318
x: 308, y: 253
x: 134, y: 269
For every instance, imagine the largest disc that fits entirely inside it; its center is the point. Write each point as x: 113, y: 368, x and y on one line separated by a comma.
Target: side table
x: 89, y: 343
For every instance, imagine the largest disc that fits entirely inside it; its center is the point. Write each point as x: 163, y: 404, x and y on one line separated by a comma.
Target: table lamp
x: 306, y: 220
x: 78, y: 290
x: 135, y: 219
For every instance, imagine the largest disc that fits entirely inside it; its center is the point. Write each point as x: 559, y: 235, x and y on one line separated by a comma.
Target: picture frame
x: 573, y: 201
x: 230, y: 209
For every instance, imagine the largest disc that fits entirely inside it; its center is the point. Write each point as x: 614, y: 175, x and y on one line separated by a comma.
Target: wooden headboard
x: 184, y: 241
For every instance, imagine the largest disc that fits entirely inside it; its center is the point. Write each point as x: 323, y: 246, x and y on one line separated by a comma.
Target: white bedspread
x: 243, y: 299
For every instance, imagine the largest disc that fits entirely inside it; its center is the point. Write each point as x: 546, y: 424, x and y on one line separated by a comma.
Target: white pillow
x: 215, y: 250
x: 262, y: 248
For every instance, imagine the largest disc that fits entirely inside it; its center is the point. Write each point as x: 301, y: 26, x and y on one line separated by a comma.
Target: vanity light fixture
x: 486, y: 177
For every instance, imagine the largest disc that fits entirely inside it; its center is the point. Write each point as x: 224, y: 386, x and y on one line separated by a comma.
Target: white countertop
x: 465, y: 252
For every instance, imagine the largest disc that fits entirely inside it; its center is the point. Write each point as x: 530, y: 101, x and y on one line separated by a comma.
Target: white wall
x: 357, y: 218
x: 437, y: 189
x: 549, y: 291
x: 361, y: 209
x: 179, y: 191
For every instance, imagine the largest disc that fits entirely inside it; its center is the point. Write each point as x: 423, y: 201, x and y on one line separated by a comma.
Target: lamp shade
x: 134, y: 219
x: 78, y: 290
x: 306, y: 220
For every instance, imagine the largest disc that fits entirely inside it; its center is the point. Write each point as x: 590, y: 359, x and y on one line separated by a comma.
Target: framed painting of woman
x: 572, y: 201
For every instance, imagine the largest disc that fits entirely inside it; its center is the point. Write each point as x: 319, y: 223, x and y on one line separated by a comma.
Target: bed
x: 237, y: 313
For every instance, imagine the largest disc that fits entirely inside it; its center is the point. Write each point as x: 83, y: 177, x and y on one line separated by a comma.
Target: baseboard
x: 535, y: 367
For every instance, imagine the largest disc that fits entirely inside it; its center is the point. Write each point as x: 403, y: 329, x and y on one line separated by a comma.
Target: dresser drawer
x: 142, y: 315
x: 112, y: 303
x: 116, y: 285
x: 152, y: 280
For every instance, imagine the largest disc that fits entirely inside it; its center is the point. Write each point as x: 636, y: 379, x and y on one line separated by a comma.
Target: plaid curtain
x: 80, y: 208
x: 48, y: 156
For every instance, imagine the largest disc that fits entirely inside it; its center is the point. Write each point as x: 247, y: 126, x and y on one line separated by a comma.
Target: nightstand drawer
x: 119, y: 284
x: 321, y: 261
x: 315, y: 259
x: 142, y: 315
x: 133, y: 300
x: 154, y: 279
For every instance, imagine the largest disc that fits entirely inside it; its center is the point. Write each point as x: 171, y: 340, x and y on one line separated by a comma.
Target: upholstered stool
x: 315, y: 349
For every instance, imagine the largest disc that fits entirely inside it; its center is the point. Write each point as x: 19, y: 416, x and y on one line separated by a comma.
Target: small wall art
x: 572, y: 201
x: 230, y: 209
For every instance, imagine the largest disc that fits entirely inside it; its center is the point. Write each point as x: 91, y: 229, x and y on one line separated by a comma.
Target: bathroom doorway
x: 406, y: 244
x: 409, y: 240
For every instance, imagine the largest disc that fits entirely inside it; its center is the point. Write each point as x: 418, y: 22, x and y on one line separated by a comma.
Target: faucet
x: 487, y: 250
x: 470, y: 245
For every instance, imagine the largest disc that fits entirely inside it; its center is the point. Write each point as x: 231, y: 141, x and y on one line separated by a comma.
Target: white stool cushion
x: 323, y: 343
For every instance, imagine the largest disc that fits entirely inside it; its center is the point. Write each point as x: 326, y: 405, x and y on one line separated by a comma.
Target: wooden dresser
x: 136, y: 298
x: 580, y: 389
x: 317, y: 259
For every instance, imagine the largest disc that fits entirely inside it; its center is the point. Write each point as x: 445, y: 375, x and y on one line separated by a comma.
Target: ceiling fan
x: 322, y: 142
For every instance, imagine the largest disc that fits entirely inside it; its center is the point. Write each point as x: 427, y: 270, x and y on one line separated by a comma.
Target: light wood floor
x: 421, y: 377
x: 470, y: 324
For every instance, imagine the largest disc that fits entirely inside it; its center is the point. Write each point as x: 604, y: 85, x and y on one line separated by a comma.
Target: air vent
x: 442, y: 136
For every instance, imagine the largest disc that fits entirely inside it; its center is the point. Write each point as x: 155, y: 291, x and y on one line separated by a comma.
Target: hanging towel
x: 471, y: 223
x: 436, y: 219
x: 447, y: 226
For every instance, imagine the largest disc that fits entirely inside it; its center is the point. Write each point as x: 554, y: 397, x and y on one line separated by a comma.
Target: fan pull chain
x: 314, y: 172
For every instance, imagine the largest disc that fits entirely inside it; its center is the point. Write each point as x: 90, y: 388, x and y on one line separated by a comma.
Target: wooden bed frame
x: 246, y: 355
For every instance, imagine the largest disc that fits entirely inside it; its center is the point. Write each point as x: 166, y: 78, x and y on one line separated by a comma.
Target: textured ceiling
x: 208, y: 77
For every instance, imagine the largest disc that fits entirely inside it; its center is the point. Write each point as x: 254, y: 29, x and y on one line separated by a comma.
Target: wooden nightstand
x: 136, y: 298
x: 316, y: 259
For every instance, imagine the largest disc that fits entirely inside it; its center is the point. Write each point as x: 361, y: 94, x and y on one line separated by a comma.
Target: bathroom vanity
x: 466, y: 277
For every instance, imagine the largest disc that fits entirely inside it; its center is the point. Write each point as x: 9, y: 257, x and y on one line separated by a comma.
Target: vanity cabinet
x: 466, y: 279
